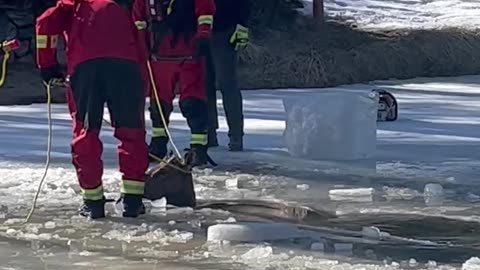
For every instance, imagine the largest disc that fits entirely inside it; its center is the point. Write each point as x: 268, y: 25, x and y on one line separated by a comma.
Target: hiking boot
x: 93, y: 209
x: 158, y: 148
x: 199, y: 155
x: 132, y: 205
x: 212, y: 139
x: 236, y: 144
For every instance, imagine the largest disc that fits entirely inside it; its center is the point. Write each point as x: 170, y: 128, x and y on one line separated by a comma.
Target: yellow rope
x: 49, y: 150
x: 4, y: 68
x: 159, y: 107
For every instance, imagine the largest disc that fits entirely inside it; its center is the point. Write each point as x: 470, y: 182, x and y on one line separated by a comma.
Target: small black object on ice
x: 387, y: 106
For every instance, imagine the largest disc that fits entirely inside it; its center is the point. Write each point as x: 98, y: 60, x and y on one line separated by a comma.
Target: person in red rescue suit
x: 104, y: 63
x: 177, y: 35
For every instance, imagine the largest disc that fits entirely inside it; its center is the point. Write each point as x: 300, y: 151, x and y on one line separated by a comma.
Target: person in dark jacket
x: 230, y: 35
x: 103, y: 63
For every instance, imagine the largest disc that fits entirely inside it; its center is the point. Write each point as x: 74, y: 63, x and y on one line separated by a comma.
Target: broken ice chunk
x: 252, y: 232
x: 392, y: 193
x: 354, y: 194
x: 307, y: 119
x: 433, y: 189
x: 260, y: 252
x: 207, y: 171
x: 471, y: 264
x: 303, y: 187
x: 395, y: 265
x: 371, y: 233
x: 432, y: 264
x: 433, y: 194
x: 161, y: 203
x: 228, y: 220
x: 231, y: 183
x: 50, y: 225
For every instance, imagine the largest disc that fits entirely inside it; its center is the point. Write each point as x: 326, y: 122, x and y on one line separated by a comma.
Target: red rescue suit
x: 103, y: 62
x: 175, y: 61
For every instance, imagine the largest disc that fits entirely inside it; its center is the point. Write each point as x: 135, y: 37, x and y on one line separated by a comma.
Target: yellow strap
x: 201, y: 139
x: 42, y: 41
x: 205, y: 19
x: 132, y: 187
x: 92, y: 194
x: 159, y: 132
x: 141, y: 25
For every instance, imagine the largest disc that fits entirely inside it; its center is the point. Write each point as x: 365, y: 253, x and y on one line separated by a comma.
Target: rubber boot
x: 236, y: 144
x: 200, y: 157
x: 212, y: 139
x: 158, y: 148
x: 132, y: 205
x: 93, y: 209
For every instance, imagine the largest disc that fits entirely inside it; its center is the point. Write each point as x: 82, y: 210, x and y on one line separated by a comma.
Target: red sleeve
x: 49, y: 26
x: 204, y: 11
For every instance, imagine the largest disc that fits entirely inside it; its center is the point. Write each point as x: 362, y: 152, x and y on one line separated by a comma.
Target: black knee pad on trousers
x: 155, y: 115
x: 195, y: 111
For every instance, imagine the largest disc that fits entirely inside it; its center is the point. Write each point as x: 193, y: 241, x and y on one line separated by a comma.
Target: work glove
x: 53, y: 74
x: 239, y: 38
x: 202, y: 46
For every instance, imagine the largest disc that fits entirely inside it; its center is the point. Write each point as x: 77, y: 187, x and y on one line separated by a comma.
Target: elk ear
x: 190, y: 159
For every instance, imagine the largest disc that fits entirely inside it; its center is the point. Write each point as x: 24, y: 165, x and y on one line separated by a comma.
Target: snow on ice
x: 381, y: 14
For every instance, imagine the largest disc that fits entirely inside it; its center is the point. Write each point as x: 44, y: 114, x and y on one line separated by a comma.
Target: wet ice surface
x: 426, y: 164
x: 177, y: 236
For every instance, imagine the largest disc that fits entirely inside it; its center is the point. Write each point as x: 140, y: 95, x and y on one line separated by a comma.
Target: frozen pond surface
x: 421, y: 187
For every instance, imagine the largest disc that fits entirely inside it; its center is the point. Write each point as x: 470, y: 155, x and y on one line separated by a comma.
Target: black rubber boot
x: 212, y: 139
x: 200, y: 157
x: 132, y: 205
x: 93, y: 209
x: 236, y: 144
x: 158, y: 148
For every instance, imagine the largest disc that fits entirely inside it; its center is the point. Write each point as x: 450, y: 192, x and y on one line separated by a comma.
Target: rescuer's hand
x: 51, y: 73
x: 239, y: 38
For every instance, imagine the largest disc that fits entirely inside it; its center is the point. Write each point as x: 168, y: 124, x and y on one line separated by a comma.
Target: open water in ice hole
x: 29, y: 254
